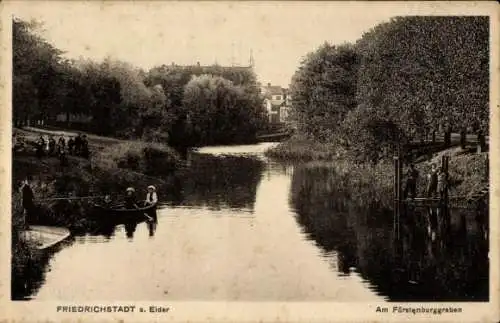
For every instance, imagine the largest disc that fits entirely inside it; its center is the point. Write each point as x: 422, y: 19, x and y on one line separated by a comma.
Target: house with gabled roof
x: 275, y: 103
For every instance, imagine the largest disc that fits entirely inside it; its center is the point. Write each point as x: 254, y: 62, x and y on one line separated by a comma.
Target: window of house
x: 277, y: 97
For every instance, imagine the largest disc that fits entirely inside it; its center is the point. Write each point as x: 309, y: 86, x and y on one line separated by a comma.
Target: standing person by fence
x: 411, y: 182
x: 442, y: 183
x: 432, y: 179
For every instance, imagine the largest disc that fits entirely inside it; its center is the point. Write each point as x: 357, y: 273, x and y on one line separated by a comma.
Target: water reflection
x: 152, y: 224
x: 306, y: 240
x: 449, y: 264
x: 33, y: 274
x: 106, y: 229
x: 130, y: 229
x: 220, y: 182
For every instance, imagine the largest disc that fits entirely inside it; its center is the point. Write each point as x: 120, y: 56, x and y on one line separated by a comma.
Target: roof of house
x: 269, y: 91
x: 210, y: 67
x: 273, y: 105
x: 273, y: 90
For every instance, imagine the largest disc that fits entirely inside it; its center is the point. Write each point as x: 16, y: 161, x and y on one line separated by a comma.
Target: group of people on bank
x: 436, y: 186
x: 75, y: 145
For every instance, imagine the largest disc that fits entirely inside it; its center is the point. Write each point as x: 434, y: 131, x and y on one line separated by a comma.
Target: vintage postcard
x: 240, y: 161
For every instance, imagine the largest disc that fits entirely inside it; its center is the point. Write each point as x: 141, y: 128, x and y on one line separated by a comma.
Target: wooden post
x: 445, y: 199
x: 487, y: 169
x: 397, y: 193
x: 444, y: 163
x: 400, y: 177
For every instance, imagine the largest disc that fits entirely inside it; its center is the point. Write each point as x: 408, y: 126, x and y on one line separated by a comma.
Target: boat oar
x: 148, y: 217
x: 71, y: 198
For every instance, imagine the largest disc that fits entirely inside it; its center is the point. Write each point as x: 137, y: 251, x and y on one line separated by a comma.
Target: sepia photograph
x: 250, y: 152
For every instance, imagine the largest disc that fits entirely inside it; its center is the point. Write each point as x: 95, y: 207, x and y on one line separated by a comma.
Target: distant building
x: 229, y: 72
x: 74, y: 118
x: 276, y: 103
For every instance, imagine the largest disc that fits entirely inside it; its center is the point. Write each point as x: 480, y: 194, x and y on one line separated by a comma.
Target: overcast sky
x: 154, y: 33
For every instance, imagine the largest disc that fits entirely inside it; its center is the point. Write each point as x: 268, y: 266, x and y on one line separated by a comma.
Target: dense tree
x: 323, y: 90
x: 174, y: 78
x: 217, y: 111
x: 36, y: 72
x: 435, y: 78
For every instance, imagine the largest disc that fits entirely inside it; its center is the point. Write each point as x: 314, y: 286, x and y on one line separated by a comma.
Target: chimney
x: 268, y: 84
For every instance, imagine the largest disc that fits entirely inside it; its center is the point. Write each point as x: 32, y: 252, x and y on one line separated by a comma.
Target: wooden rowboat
x: 119, y: 212
x: 44, y: 237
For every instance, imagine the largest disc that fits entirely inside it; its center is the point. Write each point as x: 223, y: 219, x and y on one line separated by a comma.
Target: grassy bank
x: 113, y: 166
x: 468, y: 172
x: 299, y: 149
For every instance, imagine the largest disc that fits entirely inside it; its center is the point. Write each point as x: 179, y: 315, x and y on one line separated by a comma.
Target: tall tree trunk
x: 433, y: 136
x: 481, y: 142
x: 463, y: 139
x: 68, y: 122
x: 447, y: 137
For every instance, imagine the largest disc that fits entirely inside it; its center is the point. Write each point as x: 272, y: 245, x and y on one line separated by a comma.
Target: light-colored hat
x: 152, y: 187
x: 130, y: 189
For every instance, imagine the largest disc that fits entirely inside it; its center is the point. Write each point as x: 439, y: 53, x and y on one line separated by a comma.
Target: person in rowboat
x: 107, y: 202
x: 130, y: 202
x: 151, y: 197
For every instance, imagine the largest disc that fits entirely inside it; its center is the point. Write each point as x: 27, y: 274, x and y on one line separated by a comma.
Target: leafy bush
x: 301, y: 149
x: 149, y: 158
x: 370, y: 138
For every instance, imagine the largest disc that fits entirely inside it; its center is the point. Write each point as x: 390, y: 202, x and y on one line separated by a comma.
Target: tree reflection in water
x: 152, y: 226
x: 452, y: 266
x: 219, y: 182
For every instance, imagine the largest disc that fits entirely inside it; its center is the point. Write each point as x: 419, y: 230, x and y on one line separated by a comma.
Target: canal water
x: 242, y: 227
